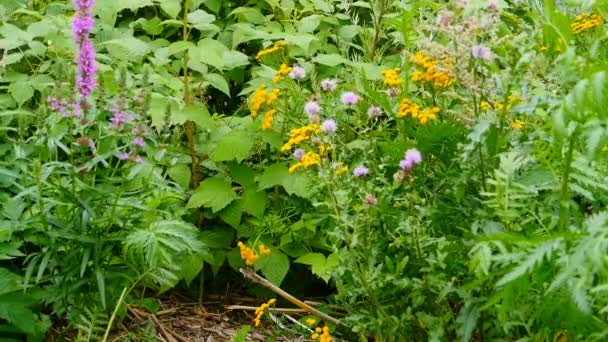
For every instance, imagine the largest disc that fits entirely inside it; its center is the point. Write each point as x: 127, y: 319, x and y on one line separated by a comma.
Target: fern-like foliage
x: 159, y: 252
x: 506, y: 197
x: 91, y: 322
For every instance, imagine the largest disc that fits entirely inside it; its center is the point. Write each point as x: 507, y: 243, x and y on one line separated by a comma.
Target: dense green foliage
x: 496, y: 230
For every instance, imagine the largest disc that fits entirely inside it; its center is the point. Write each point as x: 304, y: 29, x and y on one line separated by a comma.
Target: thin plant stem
x: 564, y: 192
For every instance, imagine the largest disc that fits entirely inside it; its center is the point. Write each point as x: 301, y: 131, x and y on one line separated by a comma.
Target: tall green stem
x: 564, y: 192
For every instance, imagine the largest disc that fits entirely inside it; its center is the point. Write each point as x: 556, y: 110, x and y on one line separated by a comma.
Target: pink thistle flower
x: 125, y: 156
x: 312, y: 108
x: 297, y: 73
x: 374, y: 112
x: 138, y: 159
x: 329, y: 126
x: 412, y: 157
x: 350, y: 98
x: 482, y: 52
x: 371, y: 200
x: 298, y: 154
x: 329, y: 85
x: 360, y: 171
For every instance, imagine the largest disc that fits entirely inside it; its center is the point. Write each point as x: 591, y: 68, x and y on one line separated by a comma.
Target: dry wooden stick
x: 166, y: 332
x: 256, y: 278
x: 253, y: 308
x: 163, y: 331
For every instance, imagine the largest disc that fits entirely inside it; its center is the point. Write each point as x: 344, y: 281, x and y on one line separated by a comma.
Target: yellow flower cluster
x: 432, y: 72
x: 409, y: 107
x: 268, y: 118
x: 392, y: 78
x: 308, y: 160
x: 585, y: 22
x: 283, y: 71
x: 518, y: 124
x: 277, y: 46
x: 324, y: 150
x: 249, y: 255
x: 262, y: 97
x: 511, y: 101
x: 298, y: 135
x: 259, y: 312
x: 321, y: 334
x: 311, y: 322
x: 341, y: 169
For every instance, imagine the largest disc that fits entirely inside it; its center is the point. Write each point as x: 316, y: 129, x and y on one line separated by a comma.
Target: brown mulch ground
x: 207, y: 322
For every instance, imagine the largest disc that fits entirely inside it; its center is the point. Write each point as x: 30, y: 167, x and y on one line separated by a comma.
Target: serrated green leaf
x: 273, y: 175
x: 215, y: 193
x: 330, y: 59
x: 21, y: 91
x: 218, y: 82
x: 171, y: 7
x: 218, y: 237
x: 197, y: 113
x: 254, y: 202
x: 243, y: 175
x: 210, y: 52
x: 232, y: 214
x: 234, y: 145
x: 274, y: 266
x: 201, y: 20
x: 191, y: 265
x: 181, y: 173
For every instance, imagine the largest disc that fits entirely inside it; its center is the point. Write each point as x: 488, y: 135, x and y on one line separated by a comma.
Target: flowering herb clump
x: 82, y: 24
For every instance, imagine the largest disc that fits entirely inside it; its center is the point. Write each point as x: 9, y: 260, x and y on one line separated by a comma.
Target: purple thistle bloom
x: 125, y: 156
x: 360, y: 171
x: 138, y: 159
x: 374, y: 112
x: 138, y: 142
x: 312, y: 108
x: 329, y: 126
x: 482, y: 52
x: 82, y: 24
x: 349, y: 98
x: 297, y: 73
x: 298, y: 154
x: 412, y: 157
x: 329, y: 85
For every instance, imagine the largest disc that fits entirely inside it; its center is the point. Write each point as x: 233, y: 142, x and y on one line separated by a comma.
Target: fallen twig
x: 298, y: 322
x: 256, y: 278
x: 253, y: 308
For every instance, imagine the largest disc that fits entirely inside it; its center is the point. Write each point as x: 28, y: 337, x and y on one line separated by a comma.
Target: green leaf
x: 210, y: 52
x: 171, y: 7
x: 232, y: 214
x: 191, y: 265
x: 218, y: 237
x: 234, y: 59
x: 129, y: 47
x: 197, y: 113
x: 331, y: 60
x: 158, y: 108
x: 234, y: 145
x: 467, y: 320
x: 243, y: 175
x: 181, y: 174
x: 201, y: 20
x: 274, y: 266
x: 215, y: 193
x: 21, y: 91
x: 241, y: 335
x: 254, y: 202
x: 218, y: 82
x: 273, y: 175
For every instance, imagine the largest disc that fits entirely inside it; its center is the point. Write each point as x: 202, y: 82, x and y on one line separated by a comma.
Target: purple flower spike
x: 349, y: 98
x: 298, y: 154
x: 82, y: 24
x: 138, y: 159
x: 297, y: 73
x: 360, y: 171
x: 125, y: 156
x: 329, y: 126
x: 138, y: 142
x: 312, y: 108
x: 482, y: 52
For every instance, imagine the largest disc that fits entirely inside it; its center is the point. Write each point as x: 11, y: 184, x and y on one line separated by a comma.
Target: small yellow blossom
x: 341, y: 169
x: 391, y: 77
x: 264, y: 250
x: 314, y: 336
x: 248, y: 254
x: 585, y: 22
x: 283, y: 71
x: 518, y: 124
x: 434, y: 73
x: 268, y: 118
x: 259, y: 312
x: 277, y: 46
x: 426, y: 116
x: 311, y: 322
x: 299, y: 135
x: 308, y: 160
x: 258, y: 99
x: 408, y: 107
